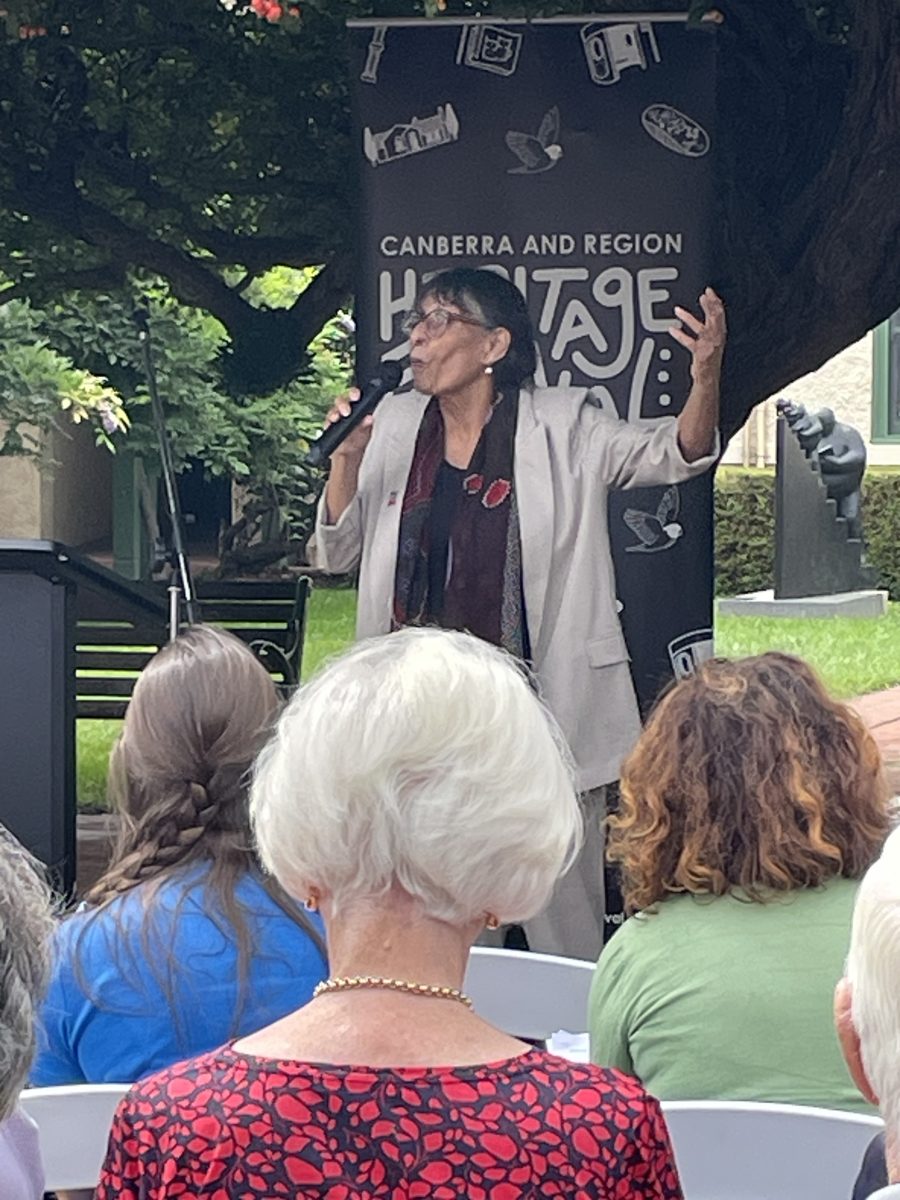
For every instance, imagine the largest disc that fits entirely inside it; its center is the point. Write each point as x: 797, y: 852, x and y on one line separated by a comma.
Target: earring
x: 491, y: 922
x: 311, y: 903
x: 488, y: 370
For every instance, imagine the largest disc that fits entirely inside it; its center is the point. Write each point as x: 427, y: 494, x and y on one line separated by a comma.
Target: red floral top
x: 230, y: 1127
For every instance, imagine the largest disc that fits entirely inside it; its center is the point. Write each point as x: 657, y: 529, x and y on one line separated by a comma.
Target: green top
x: 718, y: 998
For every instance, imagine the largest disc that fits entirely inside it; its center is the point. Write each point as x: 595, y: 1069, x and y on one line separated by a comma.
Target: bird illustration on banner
x: 655, y: 531
x: 536, y: 154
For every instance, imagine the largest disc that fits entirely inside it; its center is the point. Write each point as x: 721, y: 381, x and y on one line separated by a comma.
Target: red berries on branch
x: 272, y: 11
x: 18, y: 25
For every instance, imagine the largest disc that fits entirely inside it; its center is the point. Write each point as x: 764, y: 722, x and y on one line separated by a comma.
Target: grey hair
x: 424, y: 759
x: 26, y: 925
x: 873, y: 968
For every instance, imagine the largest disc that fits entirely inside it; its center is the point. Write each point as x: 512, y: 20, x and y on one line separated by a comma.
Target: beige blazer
x: 568, y: 455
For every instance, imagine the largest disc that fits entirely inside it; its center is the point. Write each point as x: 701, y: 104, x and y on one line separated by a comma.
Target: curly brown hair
x: 749, y: 779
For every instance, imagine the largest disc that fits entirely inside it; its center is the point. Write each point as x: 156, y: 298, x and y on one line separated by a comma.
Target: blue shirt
x: 133, y: 993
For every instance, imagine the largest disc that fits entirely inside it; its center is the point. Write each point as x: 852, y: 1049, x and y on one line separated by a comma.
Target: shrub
x: 745, y: 528
x: 881, y: 526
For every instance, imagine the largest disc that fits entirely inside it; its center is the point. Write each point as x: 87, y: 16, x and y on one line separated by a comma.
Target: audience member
x: 26, y: 924
x: 183, y: 942
x: 415, y: 791
x: 867, y: 1012
x: 751, y: 805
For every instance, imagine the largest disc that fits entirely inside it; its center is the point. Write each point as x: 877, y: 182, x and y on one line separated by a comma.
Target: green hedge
x: 745, y: 528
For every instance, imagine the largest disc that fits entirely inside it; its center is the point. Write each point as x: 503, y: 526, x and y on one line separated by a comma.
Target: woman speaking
x: 478, y: 501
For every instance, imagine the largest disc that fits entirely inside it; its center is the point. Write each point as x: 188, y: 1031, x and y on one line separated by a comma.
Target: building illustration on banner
x: 611, y: 49
x: 655, y: 531
x: 675, y: 131
x: 420, y: 133
x: 489, y: 48
x: 689, y: 650
x: 540, y: 153
x: 373, y: 56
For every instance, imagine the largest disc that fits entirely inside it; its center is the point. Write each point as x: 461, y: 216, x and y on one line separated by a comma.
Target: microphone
x: 389, y: 375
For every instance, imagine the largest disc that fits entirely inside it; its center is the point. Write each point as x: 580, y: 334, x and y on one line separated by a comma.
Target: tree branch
x: 91, y: 279
x: 807, y: 195
x: 255, y: 253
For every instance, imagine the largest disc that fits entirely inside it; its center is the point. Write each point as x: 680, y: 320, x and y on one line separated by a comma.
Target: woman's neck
x: 393, y: 939
x: 466, y: 411
x: 465, y: 415
x: 390, y: 939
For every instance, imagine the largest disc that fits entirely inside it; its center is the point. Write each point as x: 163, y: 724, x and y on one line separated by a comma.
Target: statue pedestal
x: 867, y: 602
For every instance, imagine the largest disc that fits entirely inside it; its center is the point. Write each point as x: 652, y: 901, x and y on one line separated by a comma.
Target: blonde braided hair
x: 179, y: 777
x: 150, y: 848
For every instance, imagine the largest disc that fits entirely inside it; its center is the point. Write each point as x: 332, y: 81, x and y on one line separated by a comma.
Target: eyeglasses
x: 436, y: 321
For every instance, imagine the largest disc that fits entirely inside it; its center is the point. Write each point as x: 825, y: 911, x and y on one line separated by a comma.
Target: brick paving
x: 881, y: 712
x: 95, y: 835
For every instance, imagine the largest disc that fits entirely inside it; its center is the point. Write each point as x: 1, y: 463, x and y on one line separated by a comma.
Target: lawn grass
x: 853, y: 656
x: 330, y: 626
x: 94, y: 740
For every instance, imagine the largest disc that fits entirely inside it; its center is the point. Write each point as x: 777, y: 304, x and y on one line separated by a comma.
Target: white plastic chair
x: 737, y: 1150
x: 73, y: 1123
x: 529, y: 995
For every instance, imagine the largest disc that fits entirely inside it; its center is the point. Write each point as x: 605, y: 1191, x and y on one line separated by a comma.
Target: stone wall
x: 67, y: 497
x: 843, y: 384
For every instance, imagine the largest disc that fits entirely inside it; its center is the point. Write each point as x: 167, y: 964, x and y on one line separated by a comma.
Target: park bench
x: 116, y: 639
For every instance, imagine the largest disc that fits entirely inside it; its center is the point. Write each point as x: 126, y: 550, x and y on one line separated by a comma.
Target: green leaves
x: 257, y: 440
x: 41, y: 389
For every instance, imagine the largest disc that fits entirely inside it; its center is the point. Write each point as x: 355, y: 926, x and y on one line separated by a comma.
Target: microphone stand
x: 182, y: 592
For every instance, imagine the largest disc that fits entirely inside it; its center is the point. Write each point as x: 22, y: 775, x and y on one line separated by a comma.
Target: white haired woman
x: 415, y: 791
x: 867, y: 1013
x: 26, y: 924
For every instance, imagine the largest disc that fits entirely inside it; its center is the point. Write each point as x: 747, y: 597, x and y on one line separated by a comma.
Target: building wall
x: 20, y: 499
x: 843, y: 384
x: 79, y: 504
x: 67, y: 498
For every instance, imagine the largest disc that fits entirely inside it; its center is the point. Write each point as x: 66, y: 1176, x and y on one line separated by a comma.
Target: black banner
x: 574, y: 156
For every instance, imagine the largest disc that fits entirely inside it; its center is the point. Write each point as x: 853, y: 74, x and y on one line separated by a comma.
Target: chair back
x: 738, y: 1150
x: 529, y: 995
x: 73, y: 1124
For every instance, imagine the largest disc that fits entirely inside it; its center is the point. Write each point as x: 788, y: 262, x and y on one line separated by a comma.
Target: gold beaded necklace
x: 349, y: 983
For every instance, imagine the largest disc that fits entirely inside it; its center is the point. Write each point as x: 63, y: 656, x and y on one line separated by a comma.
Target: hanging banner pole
x: 574, y: 155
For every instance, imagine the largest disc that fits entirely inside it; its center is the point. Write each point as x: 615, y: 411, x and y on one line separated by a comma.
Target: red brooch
x: 496, y: 493
x: 472, y: 484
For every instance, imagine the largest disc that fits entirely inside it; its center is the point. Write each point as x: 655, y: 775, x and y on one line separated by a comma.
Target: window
x: 886, y: 381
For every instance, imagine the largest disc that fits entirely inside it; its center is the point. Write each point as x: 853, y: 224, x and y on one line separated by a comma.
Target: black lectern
x: 40, y: 583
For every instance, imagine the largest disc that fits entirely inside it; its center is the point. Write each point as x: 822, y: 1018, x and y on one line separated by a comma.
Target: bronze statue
x: 840, y: 453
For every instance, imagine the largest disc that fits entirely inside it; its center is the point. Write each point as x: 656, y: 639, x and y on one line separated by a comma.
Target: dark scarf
x: 484, y: 591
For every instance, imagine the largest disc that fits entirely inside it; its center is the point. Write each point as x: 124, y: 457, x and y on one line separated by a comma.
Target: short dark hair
x: 499, y: 303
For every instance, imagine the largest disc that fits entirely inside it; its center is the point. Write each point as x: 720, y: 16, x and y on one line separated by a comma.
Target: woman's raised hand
x: 706, y: 339
x: 354, y: 445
